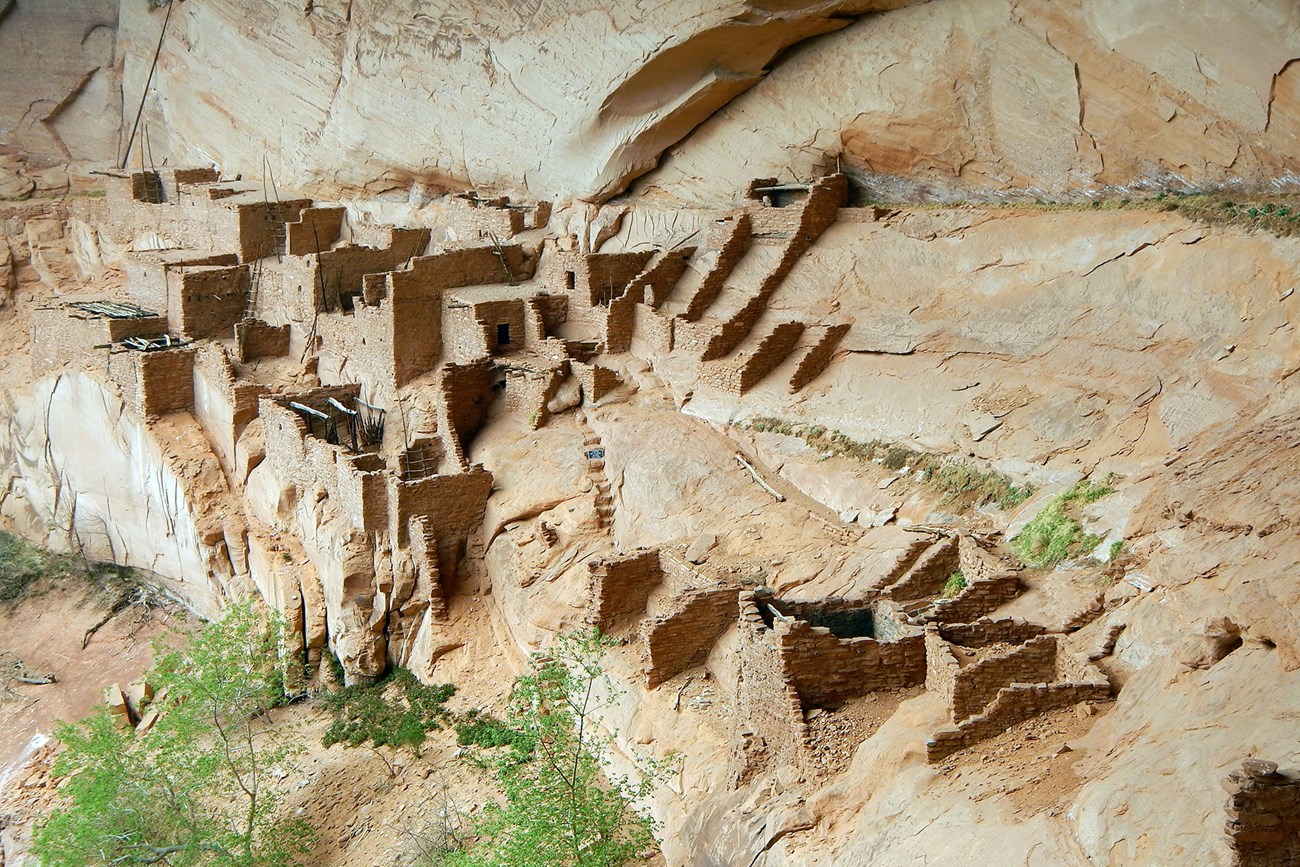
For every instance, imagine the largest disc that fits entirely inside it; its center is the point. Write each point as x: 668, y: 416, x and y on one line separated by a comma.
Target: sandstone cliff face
x: 550, y: 96
x: 955, y: 98
x: 963, y: 98
x: 60, y: 101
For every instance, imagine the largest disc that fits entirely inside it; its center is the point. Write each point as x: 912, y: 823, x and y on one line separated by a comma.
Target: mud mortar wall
x: 618, y: 587
x: 683, y: 637
x: 1263, y: 817
x: 826, y: 670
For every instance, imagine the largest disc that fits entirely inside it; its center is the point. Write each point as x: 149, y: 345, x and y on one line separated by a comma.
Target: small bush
x: 397, y: 711
x: 22, y: 565
x: 477, y: 729
x: 954, y: 585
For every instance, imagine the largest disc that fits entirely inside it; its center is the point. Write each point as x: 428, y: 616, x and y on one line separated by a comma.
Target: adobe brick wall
x: 619, y: 586
x: 1263, y: 809
x: 818, y: 358
x: 682, y: 637
x: 255, y: 339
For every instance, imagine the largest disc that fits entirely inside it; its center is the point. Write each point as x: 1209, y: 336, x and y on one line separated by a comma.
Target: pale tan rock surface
x: 391, y: 96
x: 975, y: 99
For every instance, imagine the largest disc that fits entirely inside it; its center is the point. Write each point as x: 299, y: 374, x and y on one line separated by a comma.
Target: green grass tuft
x: 1055, y: 534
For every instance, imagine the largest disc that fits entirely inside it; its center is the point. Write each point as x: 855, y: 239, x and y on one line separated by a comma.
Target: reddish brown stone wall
x: 684, y: 636
x: 731, y: 237
x: 315, y: 231
x: 927, y: 575
x: 769, y: 705
x: 206, y: 301
x: 166, y: 380
x: 618, y: 587
x: 255, y: 339
x: 818, y: 358
x: 1263, y: 809
x: 826, y: 670
x: 978, y: 598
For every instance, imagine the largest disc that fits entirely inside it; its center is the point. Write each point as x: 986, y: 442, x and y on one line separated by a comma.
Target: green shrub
x: 22, y: 565
x: 396, y: 711
x: 954, y: 585
x: 1055, y: 534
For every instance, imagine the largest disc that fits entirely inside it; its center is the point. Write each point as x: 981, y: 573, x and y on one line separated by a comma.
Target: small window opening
x: 570, y: 280
x: 503, y: 334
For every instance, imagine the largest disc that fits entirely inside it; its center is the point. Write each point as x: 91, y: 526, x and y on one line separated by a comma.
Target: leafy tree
x: 560, y: 808
x: 197, y: 788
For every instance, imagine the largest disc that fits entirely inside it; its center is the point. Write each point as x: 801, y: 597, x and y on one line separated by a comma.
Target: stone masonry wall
x: 683, y: 636
x: 64, y: 336
x: 165, y: 381
x: 818, y: 358
x: 451, y: 506
x: 255, y: 339
x: 316, y: 230
x: 979, y: 683
x: 618, y: 587
x: 820, y: 210
x: 825, y: 670
x: 978, y: 598
x: 732, y: 238
x: 1014, y: 704
x: 926, y: 576
x: 207, y: 300
x: 769, y: 705
x: 596, y: 381
x: 1263, y: 808
x: 976, y: 563
x: 739, y: 376
x: 984, y: 631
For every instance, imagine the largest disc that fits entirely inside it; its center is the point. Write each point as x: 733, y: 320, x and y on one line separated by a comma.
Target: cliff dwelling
x: 869, y: 428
